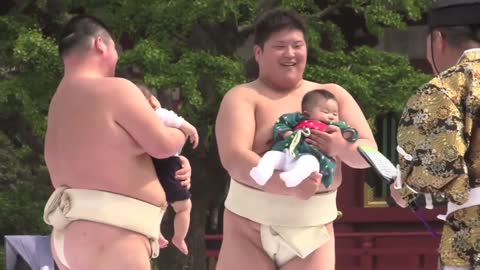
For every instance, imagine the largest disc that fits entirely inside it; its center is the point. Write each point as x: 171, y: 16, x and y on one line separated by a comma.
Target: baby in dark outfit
x: 177, y: 195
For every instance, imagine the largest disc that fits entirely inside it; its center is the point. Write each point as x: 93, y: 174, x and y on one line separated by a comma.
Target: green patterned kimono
x: 439, y: 129
x: 297, y: 146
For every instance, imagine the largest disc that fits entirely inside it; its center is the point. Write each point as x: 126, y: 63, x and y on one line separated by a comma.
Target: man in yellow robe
x: 438, y: 135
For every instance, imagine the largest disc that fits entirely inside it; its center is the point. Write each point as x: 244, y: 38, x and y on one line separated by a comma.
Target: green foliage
x: 2, y: 257
x: 30, y: 71
x: 390, y: 13
x: 381, y: 82
x: 36, y: 53
x: 317, y: 30
x: 23, y: 190
x: 223, y: 72
x: 202, y: 77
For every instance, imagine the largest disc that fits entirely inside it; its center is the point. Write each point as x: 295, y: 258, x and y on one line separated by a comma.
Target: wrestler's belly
x: 87, y: 241
x: 337, y: 181
x: 151, y: 192
x: 133, y: 178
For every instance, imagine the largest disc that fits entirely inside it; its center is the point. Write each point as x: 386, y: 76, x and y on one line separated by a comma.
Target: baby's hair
x: 311, y: 98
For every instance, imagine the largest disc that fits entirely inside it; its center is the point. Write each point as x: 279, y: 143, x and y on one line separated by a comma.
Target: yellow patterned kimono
x: 439, y: 130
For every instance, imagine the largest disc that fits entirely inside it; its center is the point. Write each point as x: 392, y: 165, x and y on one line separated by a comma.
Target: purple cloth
x: 34, y: 249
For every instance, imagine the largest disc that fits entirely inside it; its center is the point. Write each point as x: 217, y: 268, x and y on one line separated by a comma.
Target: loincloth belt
x: 289, y: 226
x: 68, y: 204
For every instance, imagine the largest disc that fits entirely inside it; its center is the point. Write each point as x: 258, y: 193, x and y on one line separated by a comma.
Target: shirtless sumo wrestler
x: 101, y: 134
x: 252, y: 239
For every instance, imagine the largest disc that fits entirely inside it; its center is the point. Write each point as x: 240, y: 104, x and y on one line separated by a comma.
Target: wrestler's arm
x: 235, y: 131
x: 133, y: 113
x: 350, y: 112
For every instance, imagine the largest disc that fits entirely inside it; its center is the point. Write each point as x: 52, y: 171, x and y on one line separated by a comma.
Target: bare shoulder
x: 238, y: 103
x: 120, y: 89
x: 115, y: 83
x: 240, y: 96
x: 246, y: 91
x: 108, y: 91
x: 123, y: 97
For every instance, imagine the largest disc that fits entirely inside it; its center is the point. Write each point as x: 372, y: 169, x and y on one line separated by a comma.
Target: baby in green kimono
x: 291, y: 154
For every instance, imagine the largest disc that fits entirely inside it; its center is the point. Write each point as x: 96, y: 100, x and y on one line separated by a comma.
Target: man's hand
x: 329, y: 142
x: 190, y: 131
x: 185, y: 173
x: 395, y: 194
x: 308, y: 187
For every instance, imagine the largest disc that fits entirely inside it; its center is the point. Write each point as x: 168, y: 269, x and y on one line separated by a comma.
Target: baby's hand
x: 190, y: 131
x: 287, y: 134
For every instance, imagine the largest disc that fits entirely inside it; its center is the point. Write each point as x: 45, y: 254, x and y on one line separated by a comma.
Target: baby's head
x: 148, y: 95
x: 320, y: 105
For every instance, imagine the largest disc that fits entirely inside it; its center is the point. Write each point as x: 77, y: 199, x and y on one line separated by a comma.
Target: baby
x: 291, y: 154
x: 177, y: 195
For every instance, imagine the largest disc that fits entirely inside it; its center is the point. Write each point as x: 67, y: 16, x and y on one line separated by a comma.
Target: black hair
x: 311, y: 98
x: 457, y: 36
x: 276, y: 20
x: 78, y: 31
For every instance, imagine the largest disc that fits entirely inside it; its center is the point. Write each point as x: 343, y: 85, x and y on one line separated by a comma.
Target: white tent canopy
x: 34, y: 249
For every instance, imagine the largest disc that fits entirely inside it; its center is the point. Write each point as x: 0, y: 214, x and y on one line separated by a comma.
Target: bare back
x: 86, y: 148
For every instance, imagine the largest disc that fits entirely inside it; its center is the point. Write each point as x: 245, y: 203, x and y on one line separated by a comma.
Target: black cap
x: 454, y: 13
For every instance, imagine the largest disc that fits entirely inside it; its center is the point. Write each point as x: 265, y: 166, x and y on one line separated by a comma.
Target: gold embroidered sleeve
x: 430, y: 130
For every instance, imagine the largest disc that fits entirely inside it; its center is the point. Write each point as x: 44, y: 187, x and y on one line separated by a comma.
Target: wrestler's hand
x: 395, y: 194
x: 185, y: 173
x: 329, y: 142
x: 308, y: 187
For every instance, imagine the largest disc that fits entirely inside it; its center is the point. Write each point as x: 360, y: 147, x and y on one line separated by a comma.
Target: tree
x: 195, y: 47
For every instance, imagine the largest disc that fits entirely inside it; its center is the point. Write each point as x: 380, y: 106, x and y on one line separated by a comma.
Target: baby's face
x: 326, y: 110
x: 154, y: 102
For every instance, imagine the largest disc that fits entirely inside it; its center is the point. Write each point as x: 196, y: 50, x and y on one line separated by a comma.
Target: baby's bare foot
x: 162, y: 242
x: 180, y: 244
